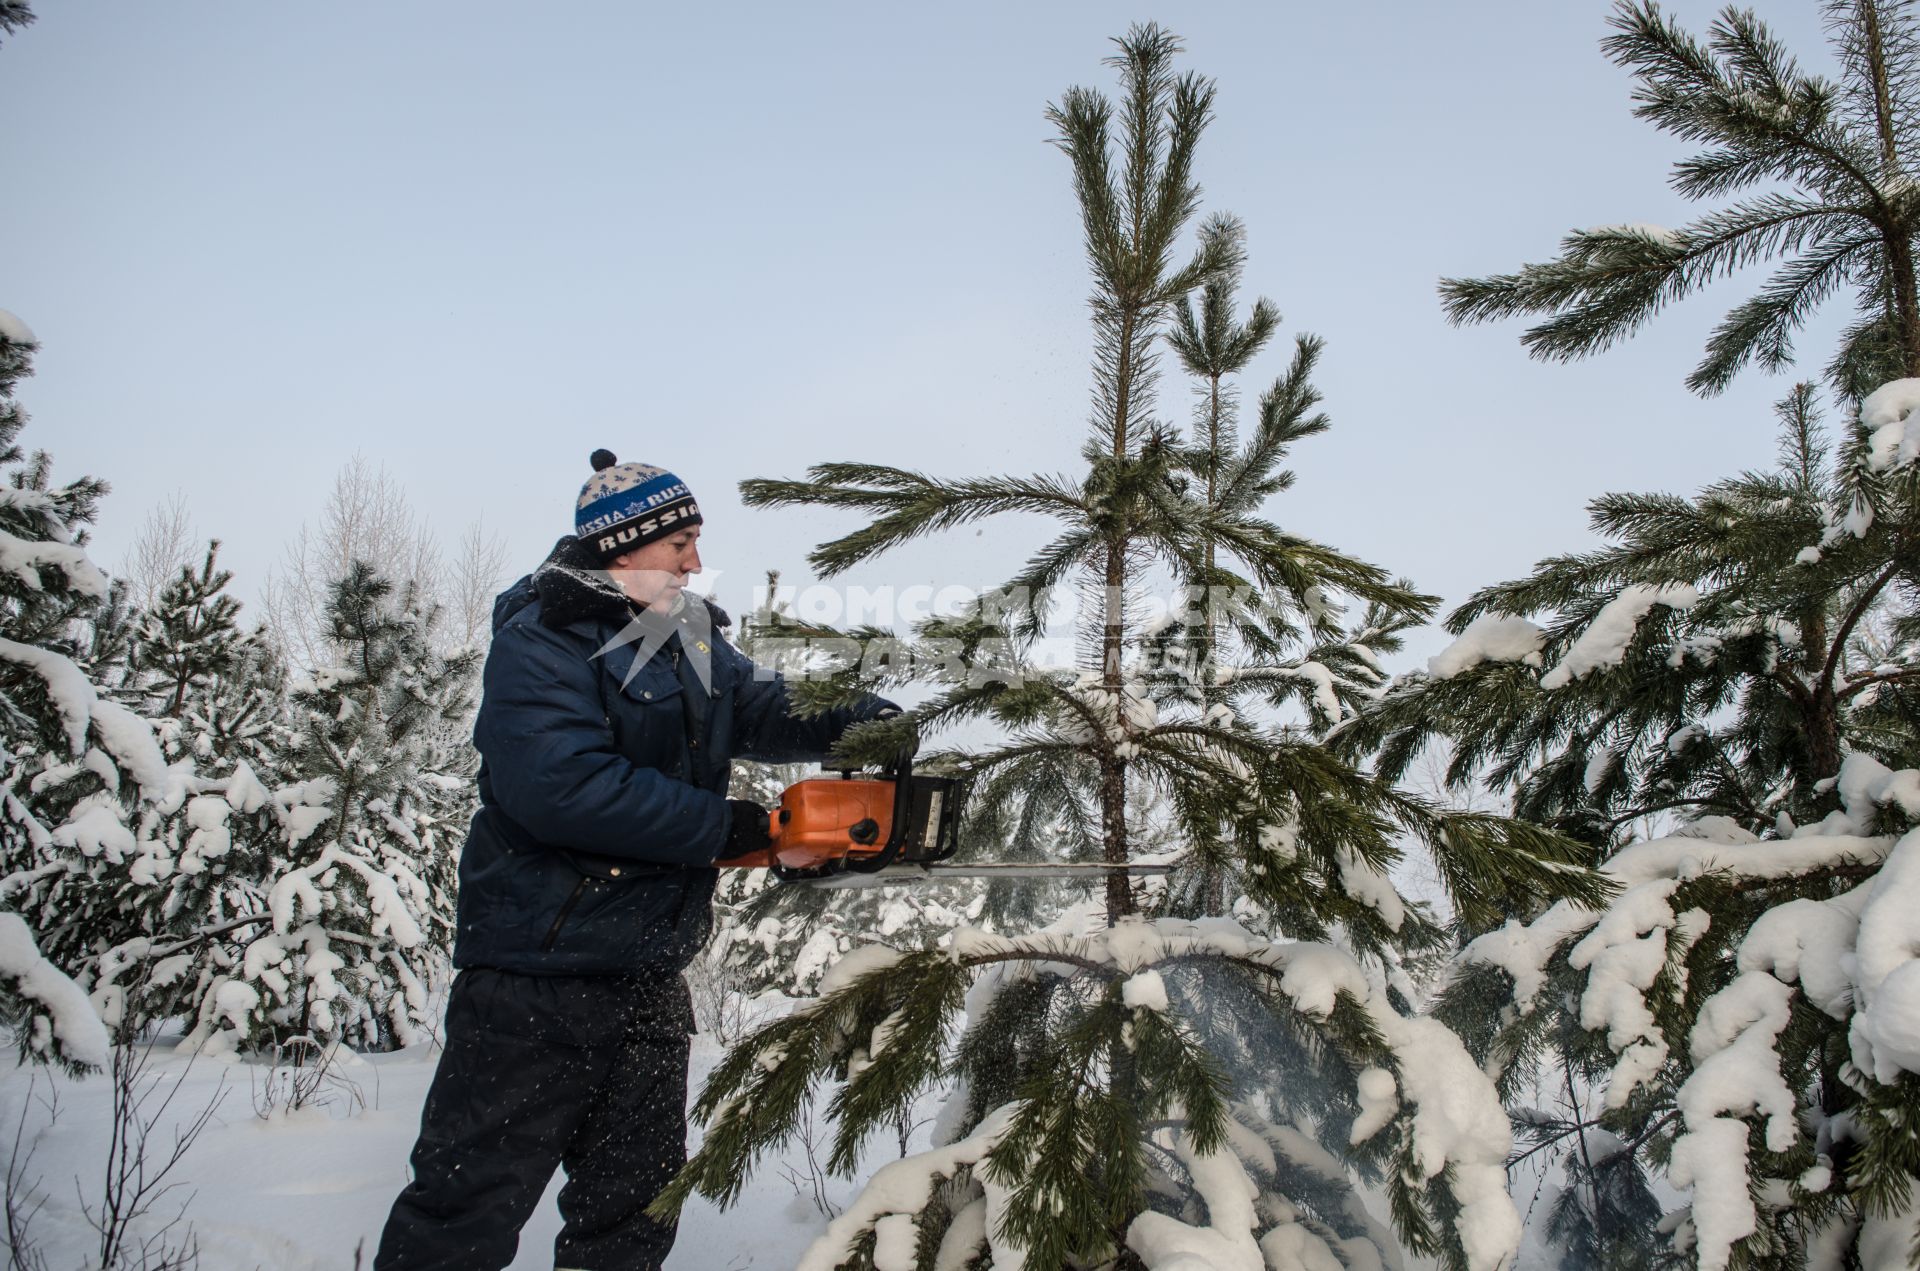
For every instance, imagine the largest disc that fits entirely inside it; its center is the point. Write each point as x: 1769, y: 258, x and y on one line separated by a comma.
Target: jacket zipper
x: 689, y: 741
x: 559, y: 919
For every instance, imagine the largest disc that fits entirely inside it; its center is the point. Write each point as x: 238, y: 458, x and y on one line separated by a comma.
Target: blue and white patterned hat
x: 628, y: 505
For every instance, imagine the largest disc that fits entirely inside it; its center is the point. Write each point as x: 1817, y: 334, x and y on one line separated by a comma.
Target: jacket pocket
x: 651, y: 686
x: 566, y: 910
x: 614, y: 869
x: 649, y: 719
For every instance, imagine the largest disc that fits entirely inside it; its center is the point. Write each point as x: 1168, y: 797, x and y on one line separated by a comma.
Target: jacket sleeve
x: 553, y: 766
x: 765, y: 729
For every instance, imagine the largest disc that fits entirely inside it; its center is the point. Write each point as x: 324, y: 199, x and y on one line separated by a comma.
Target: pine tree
x: 1836, y: 204
x: 357, y: 876
x: 187, y: 638
x: 1212, y: 346
x: 1724, y: 702
x: 117, y: 852
x: 216, y: 698
x: 1124, y: 1086
x: 1729, y: 717
x: 215, y: 690
x: 83, y: 780
x: 1233, y: 652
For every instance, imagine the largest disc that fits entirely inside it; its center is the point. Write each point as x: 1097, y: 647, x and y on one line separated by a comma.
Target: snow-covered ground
x: 311, y: 1190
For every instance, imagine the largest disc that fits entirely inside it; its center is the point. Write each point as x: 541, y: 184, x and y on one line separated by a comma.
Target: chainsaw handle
x: 902, y: 823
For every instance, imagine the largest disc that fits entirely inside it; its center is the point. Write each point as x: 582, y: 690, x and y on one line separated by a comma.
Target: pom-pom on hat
x: 627, y: 505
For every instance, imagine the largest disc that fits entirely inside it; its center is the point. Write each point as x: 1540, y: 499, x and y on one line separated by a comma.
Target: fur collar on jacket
x: 572, y: 586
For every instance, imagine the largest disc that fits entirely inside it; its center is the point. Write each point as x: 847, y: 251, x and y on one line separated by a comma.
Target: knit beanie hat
x: 628, y: 505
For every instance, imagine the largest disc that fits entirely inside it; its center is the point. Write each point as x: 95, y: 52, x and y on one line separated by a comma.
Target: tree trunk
x: 1882, y: 92
x: 1113, y: 769
x: 1214, y: 894
x: 1113, y: 818
x: 1123, y: 385
x: 1823, y: 735
x: 1113, y: 635
x: 1213, y: 449
x: 1822, y: 716
x: 1906, y: 302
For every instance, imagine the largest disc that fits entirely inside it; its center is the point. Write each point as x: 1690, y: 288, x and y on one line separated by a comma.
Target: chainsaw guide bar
x: 908, y: 875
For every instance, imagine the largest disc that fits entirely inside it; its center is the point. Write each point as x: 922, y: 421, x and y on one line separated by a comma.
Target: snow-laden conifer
x: 83, y: 780
x: 1133, y: 1089
x: 1741, y: 664
x: 215, y: 696
x: 116, y: 850
x: 771, y: 937
x: 355, y: 836
x: 1721, y: 701
x: 1716, y: 657
x: 301, y: 893
x: 190, y: 664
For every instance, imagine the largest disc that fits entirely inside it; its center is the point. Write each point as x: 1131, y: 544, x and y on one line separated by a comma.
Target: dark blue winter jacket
x: 603, y: 786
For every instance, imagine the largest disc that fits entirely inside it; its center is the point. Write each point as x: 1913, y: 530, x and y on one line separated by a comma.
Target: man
x: 611, y: 707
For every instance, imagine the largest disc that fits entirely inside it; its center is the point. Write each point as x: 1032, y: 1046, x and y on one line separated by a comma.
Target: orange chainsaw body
x: 828, y: 824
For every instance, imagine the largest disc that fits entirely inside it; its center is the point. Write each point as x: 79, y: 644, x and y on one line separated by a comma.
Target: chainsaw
x: 859, y: 830
x: 859, y: 826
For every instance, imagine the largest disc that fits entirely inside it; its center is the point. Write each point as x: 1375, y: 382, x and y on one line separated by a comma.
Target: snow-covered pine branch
x: 1649, y: 677
x: 52, y: 1020
x: 1402, y: 1092
x: 1723, y: 980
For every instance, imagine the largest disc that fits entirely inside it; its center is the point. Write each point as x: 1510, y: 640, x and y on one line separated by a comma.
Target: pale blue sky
x: 475, y: 241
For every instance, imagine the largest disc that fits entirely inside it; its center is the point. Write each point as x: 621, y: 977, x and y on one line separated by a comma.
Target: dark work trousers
x: 588, y: 1073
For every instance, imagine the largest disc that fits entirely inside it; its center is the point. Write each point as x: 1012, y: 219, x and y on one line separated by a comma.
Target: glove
x: 748, y: 833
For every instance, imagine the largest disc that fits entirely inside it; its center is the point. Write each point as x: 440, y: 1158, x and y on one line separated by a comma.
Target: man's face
x: 656, y: 573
